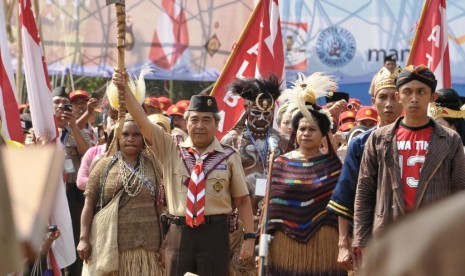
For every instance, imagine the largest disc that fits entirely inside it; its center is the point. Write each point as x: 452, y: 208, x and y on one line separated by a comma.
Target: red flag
x: 171, y: 37
x: 11, y: 124
x: 43, y: 118
x: 258, y: 53
x: 430, y: 45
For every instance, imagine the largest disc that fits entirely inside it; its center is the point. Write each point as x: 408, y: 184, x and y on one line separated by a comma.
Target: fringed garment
x: 138, y: 262
x: 139, y: 231
x: 305, y: 234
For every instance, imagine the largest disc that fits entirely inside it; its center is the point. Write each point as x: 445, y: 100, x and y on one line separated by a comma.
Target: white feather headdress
x: 308, y: 90
x: 136, y: 85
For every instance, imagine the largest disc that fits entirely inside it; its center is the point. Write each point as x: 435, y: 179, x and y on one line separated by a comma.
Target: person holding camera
x: 75, y: 143
x: 84, y: 107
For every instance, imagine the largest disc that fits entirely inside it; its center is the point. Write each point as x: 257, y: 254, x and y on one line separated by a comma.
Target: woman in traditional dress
x: 447, y: 111
x: 305, y: 234
x: 129, y: 175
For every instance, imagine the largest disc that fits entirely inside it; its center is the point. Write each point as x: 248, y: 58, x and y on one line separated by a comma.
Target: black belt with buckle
x: 208, y: 219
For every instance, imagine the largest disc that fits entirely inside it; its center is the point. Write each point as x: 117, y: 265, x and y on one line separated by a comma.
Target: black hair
x: 449, y: 98
x: 250, y: 88
x: 323, y: 121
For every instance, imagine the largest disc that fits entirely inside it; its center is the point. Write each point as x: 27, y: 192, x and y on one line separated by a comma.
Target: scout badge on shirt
x: 218, y: 187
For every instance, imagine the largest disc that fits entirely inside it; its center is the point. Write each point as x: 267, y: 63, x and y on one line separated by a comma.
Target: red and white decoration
x: 195, y: 205
x: 171, y: 37
x: 430, y: 45
x: 258, y: 53
x: 43, y: 119
x: 11, y: 124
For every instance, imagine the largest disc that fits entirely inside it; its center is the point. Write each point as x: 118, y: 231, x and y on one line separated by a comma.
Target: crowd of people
x: 154, y: 192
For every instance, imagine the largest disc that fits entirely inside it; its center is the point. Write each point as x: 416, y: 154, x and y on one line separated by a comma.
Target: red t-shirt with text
x: 412, y: 145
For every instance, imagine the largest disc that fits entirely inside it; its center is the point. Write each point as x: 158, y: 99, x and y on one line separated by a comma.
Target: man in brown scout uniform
x: 201, y: 176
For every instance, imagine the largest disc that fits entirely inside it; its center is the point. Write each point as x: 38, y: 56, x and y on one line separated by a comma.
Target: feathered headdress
x: 305, y: 92
x: 262, y: 92
x: 137, y: 86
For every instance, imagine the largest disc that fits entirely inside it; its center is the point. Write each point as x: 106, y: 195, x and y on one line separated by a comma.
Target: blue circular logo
x: 335, y: 46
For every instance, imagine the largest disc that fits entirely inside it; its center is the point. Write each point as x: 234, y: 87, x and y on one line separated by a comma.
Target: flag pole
x: 39, y: 25
x: 417, y: 34
x: 234, y: 52
x: 19, y: 65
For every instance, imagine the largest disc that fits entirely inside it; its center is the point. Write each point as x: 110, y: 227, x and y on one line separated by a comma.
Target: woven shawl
x: 299, y: 193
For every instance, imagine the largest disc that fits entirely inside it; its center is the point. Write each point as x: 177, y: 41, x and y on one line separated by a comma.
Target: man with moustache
x: 342, y: 200
x: 201, y: 178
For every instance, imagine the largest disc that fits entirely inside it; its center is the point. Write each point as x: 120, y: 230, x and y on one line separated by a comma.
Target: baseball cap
x: 175, y: 110
x: 367, y: 113
x: 183, y: 103
x: 347, y: 115
x: 164, y: 103
x: 346, y: 126
x: 152, y: 101
x: 79, y: 94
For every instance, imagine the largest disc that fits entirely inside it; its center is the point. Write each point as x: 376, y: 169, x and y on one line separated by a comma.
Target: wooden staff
x: 120, y: 46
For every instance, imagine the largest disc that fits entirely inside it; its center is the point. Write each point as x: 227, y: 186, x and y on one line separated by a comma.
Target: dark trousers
x: 202, y: 250
x: 75, y: 203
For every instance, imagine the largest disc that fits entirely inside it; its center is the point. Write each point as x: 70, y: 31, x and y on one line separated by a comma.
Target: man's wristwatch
x: 249, y: 236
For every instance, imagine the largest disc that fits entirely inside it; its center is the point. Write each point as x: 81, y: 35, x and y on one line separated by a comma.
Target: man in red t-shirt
x: 412, y: 145
x: 408, y: 164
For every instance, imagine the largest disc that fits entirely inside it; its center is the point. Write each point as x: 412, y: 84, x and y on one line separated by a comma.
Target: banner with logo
x: 192, y: 40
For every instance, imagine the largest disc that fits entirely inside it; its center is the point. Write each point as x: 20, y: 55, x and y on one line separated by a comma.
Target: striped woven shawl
x: 299, y: 193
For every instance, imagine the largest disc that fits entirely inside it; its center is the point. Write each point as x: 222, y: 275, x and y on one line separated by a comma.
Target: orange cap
x: 78, y: 94
x: 175, y: 110
x: 346, y: 126
x: 347, y: 115
x: 152, y: 101
x: 183, y: 103
x: 367, y: 113
x: 164, y: 103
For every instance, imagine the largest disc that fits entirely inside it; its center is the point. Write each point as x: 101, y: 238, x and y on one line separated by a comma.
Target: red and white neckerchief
x: 196, y: 192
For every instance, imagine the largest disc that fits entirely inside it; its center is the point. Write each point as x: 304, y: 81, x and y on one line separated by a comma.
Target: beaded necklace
x: 133, y: 180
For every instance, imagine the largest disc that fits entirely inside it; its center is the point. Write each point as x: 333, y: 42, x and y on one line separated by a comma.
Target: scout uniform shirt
x: 226, y: 180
